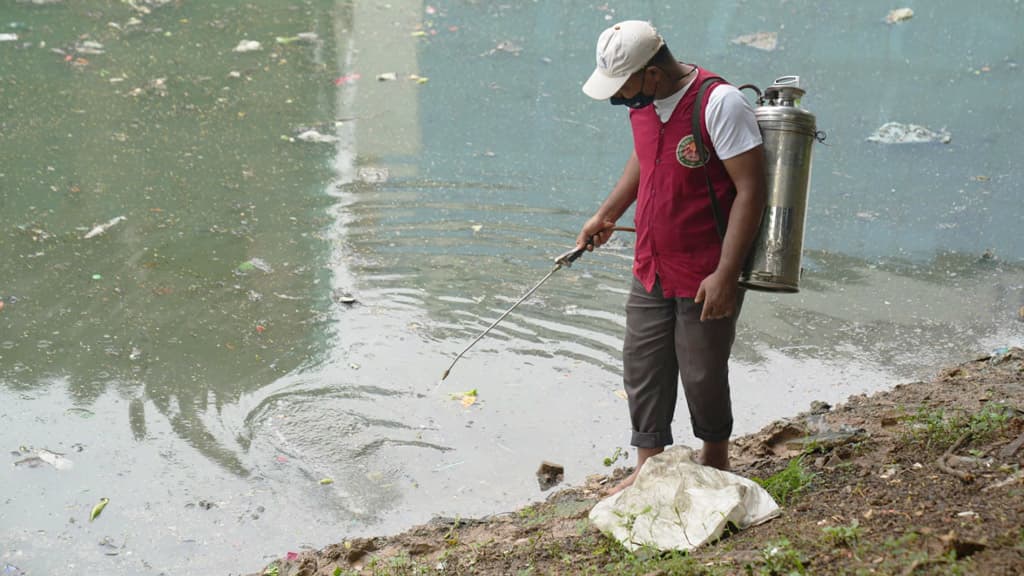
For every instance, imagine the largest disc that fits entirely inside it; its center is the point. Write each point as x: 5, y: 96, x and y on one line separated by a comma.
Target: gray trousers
x: 665, y: 342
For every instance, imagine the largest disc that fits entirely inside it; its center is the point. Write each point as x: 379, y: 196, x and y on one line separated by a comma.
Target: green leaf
x: 98, y: 508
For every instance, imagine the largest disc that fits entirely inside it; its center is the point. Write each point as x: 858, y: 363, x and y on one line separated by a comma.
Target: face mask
x: 638, y: 101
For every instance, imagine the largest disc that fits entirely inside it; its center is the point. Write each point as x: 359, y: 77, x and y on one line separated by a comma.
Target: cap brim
x: 601, y: 86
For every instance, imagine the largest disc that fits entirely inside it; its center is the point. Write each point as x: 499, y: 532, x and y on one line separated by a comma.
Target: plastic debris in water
x: 766, y: 41
x: 316, y: 137
x: 466, y: 398
x: 896, y: 133
x: 97, y: 230
x: 899, y: 15
x: 255, y: 264
x: 89, y: 47
x: 373, y: 174
x: 248, y: 46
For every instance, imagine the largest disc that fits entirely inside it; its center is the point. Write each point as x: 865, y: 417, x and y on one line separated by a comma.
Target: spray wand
x: 565, y: 260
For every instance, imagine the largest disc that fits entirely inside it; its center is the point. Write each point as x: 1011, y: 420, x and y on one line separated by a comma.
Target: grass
x: 845, y: 536
x: 780, y: 557
x: 784, y: 485
x: 937, y: 429
x: 614, y: 558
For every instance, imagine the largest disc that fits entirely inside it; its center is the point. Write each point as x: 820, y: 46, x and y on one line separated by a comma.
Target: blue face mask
x: 637, y: 101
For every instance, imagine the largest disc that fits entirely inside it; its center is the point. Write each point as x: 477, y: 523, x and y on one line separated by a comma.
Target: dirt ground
x: 923, y: 479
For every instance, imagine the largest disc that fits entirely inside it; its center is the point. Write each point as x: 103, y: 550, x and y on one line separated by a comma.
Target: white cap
x: 622, y: 50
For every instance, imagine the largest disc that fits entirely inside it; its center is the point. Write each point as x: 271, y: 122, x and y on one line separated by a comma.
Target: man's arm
x: 718, y: 291
x: 618, y: 201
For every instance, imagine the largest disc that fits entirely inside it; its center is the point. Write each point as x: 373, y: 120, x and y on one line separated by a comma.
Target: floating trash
x: 255, y: 264
x: 8, y: 37
x: 302, y: 38
x: 89, y: 47
x: 40, y: 457
x: 506, y: 46
x: 372, y: 174
x: 316, y: 137
x: 899, y: 15
x: 897, y: 133
x: 248, y: 46
x: 342, y: 297
x: 766, y: 41
x: 102, y: 228
x: 348, y: 78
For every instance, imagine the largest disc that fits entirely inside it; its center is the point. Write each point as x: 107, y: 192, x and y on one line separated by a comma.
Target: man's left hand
x: 718, y: 293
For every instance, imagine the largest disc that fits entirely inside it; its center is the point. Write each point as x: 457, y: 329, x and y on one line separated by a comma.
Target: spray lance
x: 563, y: 261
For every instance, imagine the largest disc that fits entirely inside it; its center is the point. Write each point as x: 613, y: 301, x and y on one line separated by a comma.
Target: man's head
x: 622, y: 50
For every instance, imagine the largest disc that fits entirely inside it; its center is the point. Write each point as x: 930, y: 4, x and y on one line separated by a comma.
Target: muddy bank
x: 923, y: 479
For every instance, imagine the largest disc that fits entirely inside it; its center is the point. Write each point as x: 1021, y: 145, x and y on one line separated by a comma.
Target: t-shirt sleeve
x: 731, y: 122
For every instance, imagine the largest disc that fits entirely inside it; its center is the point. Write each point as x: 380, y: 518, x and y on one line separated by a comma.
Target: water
x: 196, y: 362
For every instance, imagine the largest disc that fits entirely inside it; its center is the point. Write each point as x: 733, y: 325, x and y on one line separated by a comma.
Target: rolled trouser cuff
x: 651, y: 439
x: 720, y: 435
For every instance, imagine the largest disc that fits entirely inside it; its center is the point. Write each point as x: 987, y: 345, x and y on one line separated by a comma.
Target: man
x: 685, y: 298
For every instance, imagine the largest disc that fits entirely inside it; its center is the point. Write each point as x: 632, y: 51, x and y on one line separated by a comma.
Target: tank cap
x: 787, y: 81
x: 785, y: 91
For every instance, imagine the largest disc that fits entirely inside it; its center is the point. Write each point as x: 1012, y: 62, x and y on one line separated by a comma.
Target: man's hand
x: 718, y: 293
x: 594, y: 233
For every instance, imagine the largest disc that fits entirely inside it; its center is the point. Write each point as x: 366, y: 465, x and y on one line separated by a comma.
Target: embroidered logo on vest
x: 686, y: 152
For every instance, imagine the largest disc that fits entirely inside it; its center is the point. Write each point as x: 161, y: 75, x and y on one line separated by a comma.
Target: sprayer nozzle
x: 445, y: 374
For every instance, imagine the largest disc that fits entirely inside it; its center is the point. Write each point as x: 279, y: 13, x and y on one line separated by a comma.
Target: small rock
x: 549, y: 475
x: 819, y: 407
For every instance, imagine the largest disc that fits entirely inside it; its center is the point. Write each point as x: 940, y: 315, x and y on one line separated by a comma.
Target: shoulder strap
x: 702, y: 152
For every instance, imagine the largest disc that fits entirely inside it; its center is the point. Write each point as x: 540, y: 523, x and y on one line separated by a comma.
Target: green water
x: 197, y: 361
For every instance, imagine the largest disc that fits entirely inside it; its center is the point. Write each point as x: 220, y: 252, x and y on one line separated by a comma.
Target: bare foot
x: 642, y: 454
x: 625, y: 483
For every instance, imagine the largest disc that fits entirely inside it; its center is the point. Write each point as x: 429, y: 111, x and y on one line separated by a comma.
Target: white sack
x: 677, y: 504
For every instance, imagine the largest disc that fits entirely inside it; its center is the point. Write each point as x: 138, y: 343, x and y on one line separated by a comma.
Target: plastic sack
x: 677, y: 504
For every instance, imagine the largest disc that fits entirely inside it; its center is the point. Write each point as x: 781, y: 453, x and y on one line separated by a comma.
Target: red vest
x: 676, y: 238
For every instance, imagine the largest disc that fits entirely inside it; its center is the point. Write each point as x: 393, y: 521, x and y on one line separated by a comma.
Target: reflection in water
x: 162, y: 305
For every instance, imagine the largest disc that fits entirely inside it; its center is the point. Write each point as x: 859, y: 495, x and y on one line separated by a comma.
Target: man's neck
x: 681, y: 74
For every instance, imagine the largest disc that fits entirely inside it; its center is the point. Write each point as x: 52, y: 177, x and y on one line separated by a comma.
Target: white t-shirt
x: 732, y: 130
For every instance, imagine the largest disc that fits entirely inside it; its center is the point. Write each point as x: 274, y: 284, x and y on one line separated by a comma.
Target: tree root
x: 964, y: 477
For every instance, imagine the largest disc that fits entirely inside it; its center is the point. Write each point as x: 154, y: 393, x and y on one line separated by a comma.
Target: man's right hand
x: 594, y: 233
